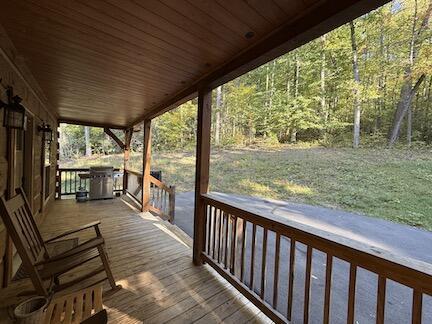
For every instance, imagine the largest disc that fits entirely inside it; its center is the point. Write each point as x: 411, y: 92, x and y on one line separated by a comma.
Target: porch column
x: 146, y: 166
x: 201, y: 171
x: 126, y: 154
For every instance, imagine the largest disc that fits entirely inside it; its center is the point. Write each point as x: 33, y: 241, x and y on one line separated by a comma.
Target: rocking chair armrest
x: 79, y: 249
x: 94, y: 224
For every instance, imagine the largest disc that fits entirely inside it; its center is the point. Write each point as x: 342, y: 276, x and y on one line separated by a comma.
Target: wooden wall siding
x: 100, y: 57
x: 13, y: 72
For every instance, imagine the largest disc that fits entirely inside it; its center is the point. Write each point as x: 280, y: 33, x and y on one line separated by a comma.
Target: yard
x: 391, y: 184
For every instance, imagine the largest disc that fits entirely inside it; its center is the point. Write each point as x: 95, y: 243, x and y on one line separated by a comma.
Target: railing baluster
x: 417, y: 305
x: 351, y: 293
x: 252, y: 264
x: 209, y: 218
x: 220, y: 241
x: 291, y: 279
x: 233, y: 243
x: 276, y: 271
x: 214, y: 233
x: 263, y: 263
x: 226, y: 240
x: 165, y: 202
x: 327, y: 294
x: 381, y: 296
x: 307, y: 284
x: 243, y: 249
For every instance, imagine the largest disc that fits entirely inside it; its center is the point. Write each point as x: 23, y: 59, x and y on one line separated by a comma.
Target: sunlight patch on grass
x: 294, y: 188
x: 255, y: 188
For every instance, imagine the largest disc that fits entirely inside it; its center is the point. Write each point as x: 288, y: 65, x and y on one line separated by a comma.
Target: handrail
x: 223, y: 218
x: 138, y: 174
x: 159, y: 184
x: 162, y: 197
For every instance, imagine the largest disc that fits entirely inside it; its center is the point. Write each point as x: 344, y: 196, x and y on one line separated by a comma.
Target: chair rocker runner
x: 45, y: 270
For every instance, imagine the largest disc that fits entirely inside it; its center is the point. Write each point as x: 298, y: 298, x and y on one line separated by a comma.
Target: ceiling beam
x: 325, y: 16
x: 91, y: 124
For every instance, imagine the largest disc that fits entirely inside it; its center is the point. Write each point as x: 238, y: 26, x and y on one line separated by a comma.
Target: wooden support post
x: 146, y: 166
x: 201, y: 171
x: 126, y: 149
x: 172, y: 204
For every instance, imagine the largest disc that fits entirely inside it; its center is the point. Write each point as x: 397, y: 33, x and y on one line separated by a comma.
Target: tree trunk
x: 293, y: 137
x: 381, y: 84
x: 323, y: 80
x: 357, y: 101
x: 409, y: 125
x: 218, y: 114
x: 88, y: 150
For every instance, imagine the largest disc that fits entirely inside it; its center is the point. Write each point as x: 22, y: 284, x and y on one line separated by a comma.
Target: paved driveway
x: 396, y: 238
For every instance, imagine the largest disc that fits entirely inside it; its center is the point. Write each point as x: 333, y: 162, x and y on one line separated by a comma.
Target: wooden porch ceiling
x: 117, y: 62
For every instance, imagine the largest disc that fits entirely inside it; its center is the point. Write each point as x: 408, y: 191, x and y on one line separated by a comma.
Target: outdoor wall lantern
x: 47, y: 133
x: 14, y: 112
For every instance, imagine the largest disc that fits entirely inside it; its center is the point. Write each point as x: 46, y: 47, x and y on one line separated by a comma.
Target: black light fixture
x: 14, y: 112
x: 47, y: 133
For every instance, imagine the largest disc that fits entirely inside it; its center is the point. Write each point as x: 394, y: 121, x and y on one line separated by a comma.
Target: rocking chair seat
x: 70, y: 259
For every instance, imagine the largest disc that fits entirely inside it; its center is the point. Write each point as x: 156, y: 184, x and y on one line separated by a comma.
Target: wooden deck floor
x: 153, y: 264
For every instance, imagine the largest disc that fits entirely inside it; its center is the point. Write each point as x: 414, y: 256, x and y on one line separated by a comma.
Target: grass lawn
x: 391, y: 184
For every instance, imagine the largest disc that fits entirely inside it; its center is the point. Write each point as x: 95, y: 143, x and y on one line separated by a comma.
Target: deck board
x: 153, y: 263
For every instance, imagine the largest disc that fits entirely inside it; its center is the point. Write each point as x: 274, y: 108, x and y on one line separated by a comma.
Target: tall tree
x: 408, y: 91
x: 293, y: 136
x: 88, y: 150
x: 218, y: 112
x: 356, y: 91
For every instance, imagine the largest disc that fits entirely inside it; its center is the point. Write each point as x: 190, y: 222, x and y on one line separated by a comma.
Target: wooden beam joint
x: 110, y: 133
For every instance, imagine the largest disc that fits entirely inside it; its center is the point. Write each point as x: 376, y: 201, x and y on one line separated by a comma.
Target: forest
x: 367, y: 83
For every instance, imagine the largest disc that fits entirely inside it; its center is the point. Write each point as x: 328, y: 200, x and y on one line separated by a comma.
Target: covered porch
x: 240, y: 263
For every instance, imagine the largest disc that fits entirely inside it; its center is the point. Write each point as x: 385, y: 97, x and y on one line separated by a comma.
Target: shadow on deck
x: 152, y: 260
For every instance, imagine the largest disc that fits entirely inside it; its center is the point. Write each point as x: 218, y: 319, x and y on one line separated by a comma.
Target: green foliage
x: 72, y: 143
x: 175, y: 129
x: 308, y: 93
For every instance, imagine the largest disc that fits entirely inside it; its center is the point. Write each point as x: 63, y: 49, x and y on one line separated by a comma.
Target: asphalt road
x: 398, y: 239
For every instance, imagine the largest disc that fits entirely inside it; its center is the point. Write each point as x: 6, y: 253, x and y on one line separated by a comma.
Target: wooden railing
x: 69, y: 181
x: 237, y: 244
x: 162, y: 197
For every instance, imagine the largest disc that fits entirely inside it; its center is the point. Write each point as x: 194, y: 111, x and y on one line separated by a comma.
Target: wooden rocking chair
x: 39, y: 265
